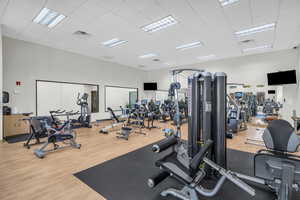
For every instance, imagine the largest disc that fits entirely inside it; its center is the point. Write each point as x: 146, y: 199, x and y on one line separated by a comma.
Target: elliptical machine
x: 236, y: 117
x: 84, y: 120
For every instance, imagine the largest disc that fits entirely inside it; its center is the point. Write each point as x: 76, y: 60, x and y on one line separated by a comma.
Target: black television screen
x: 271, y: 92
x: 284, y: 77
x: 150, y: 86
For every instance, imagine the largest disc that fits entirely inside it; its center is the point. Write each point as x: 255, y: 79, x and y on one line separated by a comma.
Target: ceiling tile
x: 65, y: 7
x: 288, y: 24
x: 131, y: 15
x: 3, y: 6
x: 19, y: 14
x: 149, y: 8
x: 239, y: 15
x: 266, y: 11
x: 204, y: 20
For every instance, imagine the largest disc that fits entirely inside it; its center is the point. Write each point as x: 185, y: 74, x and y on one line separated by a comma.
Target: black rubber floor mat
x: 125, y: 178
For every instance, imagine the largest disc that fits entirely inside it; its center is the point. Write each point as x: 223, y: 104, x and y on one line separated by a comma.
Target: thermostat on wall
x: 16, y: 92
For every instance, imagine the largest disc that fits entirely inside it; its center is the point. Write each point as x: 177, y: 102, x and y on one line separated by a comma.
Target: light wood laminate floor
x: 24, y: 176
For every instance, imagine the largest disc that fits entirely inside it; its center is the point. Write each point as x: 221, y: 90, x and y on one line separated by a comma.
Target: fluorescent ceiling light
x: 190, y: 45
x: 149, y: 55
x: 227, y: 2
x: 258, y: 48
x: 160, y: 24
x: 211, y: 56
x: 48, y: 18
x: 114, y: 42
x: 258, y: 29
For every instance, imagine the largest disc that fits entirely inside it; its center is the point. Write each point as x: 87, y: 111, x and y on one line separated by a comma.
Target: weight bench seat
x: 170, y: 164
x: 126, y: 129
x: 275, y: 165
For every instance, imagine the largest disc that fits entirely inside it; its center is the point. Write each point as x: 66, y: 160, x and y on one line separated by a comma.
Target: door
x: 133, y: 98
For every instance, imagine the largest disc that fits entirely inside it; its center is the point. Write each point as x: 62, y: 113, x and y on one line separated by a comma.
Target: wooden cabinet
x: 14, y: 125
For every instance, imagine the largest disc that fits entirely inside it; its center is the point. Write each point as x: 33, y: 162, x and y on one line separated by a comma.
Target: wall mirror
x: 53, y: 95
x: 116, y: 97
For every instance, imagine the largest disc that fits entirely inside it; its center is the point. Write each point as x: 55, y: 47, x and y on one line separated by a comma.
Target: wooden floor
x: 23, y: 176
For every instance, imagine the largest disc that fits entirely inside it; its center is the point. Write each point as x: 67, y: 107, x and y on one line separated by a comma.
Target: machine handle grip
x: 199, y: 156
x: 164, y: 144
x: 231, y: 177
x: 241, y: 184
x: 158, y: 178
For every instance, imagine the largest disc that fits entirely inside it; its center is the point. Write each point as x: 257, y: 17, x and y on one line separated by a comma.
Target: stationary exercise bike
x: 36, y: 132
x: 63, y: 134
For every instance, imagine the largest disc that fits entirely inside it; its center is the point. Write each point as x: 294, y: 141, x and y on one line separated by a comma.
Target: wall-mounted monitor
x: 271, y: 91
x: 150, y: 86
x: 281, y: 78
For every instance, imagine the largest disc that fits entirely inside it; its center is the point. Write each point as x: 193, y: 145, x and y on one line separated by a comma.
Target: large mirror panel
x: 116, y: 97
x: 53, y: 95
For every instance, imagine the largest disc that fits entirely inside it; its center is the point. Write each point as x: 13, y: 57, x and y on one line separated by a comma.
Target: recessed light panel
x: 149, y: 55
x: 227, y: 2
x: 114, y: 42
x: 160, y: 24
x: 48, y: 17
x: 258, y: 29
x: 190, y: 45
x: 258, y: 48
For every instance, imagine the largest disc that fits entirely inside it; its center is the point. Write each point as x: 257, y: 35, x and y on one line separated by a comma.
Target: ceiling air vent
x: 246, y: 41
x: 82, y: 34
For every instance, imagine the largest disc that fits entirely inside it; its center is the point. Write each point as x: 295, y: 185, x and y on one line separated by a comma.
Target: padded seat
x: 280, y: 136
x: 174, y: 167
x: 126, y: 128
x: 280, y: 169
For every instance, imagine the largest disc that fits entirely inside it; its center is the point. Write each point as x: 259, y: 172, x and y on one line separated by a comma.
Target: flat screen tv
x: 271, y: 91
x: 150, y: 86
x: 281, y: 78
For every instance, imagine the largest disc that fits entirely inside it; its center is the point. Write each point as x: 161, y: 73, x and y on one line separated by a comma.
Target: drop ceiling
x: 198, y: 20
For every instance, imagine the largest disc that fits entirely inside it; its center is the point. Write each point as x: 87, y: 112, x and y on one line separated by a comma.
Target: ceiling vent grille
x: 82, y: 34
x: 246, y: 41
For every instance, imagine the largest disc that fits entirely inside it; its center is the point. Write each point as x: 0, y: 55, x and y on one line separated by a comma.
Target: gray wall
x: 27, y: 62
